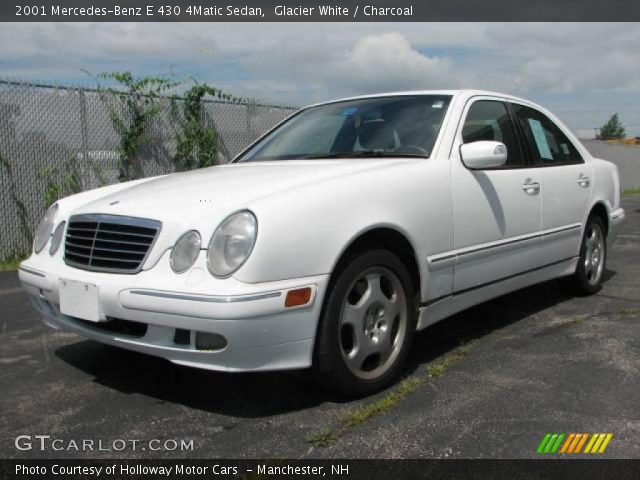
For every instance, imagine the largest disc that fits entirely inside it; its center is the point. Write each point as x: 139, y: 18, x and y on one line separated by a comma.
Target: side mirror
x: 483, y: 154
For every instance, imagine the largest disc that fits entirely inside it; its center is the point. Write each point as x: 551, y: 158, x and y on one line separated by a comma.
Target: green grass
x: 629, y: 312
x: 11, y: 263
x: 323, y: 438
x: 362, y: 414
x: 437, y: 369
x: 631, y: 191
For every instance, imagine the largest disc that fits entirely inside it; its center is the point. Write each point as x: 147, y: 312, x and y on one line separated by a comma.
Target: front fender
x: 303, y: 231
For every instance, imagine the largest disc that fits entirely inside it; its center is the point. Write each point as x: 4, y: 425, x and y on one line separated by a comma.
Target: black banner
x: 315, y: 469
x: 318, y: 10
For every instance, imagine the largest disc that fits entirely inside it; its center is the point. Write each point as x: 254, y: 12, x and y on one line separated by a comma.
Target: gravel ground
x: 535, y: 361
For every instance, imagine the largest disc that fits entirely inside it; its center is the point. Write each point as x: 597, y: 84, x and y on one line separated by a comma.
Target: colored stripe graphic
x: 582, y: 441
x: 550, y: 443
x: 599, y: 442
x: 607, y: 439
x: 543, y: 443
x: 575, y: 442
x: 572, y: 443
x: 591, y: 442
x: 567, y: 442
x: 554, y: 449
x: 596, y: 446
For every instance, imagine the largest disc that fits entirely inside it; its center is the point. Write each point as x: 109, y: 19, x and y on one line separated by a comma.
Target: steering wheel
x: 411, y: 149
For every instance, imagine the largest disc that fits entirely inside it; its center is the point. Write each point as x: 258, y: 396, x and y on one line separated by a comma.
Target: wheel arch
x: 599, y: 209
x: 380, y: 237
x: 384, y: 237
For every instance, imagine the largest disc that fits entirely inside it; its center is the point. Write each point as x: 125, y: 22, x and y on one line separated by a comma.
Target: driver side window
x: 490, y: 120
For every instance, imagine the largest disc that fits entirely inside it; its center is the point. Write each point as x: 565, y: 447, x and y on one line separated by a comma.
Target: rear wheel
x: 593, y: 256
x: 368, y: 324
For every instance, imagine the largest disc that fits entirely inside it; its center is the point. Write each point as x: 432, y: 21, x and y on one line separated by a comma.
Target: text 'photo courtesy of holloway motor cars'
x: 332, y: 239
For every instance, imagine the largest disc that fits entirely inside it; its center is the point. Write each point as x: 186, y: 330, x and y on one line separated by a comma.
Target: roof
x: 453, y: 93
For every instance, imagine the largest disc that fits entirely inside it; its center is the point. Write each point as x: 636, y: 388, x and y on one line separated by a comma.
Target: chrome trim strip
x: 553, y: 231
x: 32, y: 272
x: 617, y: 214
x: 122, y: 219
x: 206, y: 298
x: 498, y: 244
x: 456, y: 255
x: 442, y: 257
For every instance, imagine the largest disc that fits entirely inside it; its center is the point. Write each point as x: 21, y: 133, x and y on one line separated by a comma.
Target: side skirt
x: 439, y: 309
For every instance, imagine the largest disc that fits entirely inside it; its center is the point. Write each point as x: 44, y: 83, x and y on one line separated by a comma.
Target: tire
x: 368, y: 324
x: 587, y: 278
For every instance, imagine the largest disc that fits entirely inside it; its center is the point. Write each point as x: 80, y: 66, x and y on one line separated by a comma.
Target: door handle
x: 531, y: 188
x: 583, y: 181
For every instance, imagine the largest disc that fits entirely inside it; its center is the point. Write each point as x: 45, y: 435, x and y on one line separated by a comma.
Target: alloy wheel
x: 594, y: 254
x: 373, y: 323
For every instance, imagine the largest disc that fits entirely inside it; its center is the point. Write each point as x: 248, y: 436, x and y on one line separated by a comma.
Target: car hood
x: 223, y: 188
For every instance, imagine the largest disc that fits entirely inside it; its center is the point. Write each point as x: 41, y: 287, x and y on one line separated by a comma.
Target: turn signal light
x: 298, y: 297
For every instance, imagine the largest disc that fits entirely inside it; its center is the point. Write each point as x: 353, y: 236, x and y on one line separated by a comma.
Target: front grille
x: 109, y: 243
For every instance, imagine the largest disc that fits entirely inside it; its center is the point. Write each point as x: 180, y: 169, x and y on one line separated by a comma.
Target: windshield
x: 370, y: 127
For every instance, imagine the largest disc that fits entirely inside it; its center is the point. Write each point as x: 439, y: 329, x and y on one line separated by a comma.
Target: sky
x: 582, y: 72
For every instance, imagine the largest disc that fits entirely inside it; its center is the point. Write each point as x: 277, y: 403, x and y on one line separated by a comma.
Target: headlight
x: 56, y: 240
x: 45, y: 228
x: 185, y: 251
x: 232, y: 243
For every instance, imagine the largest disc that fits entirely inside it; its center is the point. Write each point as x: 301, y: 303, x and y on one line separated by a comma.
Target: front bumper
x: 260, y: 332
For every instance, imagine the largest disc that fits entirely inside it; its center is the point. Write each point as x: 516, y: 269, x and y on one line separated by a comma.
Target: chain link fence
x: 56, y: 134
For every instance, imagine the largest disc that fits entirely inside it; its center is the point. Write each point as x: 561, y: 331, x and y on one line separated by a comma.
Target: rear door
x: 565, y: 181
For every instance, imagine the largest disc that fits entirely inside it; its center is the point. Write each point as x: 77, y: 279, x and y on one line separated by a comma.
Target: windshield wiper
x: 363, y: 154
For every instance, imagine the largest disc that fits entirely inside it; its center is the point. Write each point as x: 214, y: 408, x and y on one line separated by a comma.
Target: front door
x: 497, y: 211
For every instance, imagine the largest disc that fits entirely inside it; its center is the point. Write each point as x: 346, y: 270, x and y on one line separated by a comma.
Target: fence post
x: 85, y: 139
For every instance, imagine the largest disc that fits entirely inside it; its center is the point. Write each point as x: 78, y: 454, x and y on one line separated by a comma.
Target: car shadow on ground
x: 252, y: 395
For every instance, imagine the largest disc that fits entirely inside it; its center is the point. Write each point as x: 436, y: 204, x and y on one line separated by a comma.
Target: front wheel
x: 593, y: 256
x: 368, y: 324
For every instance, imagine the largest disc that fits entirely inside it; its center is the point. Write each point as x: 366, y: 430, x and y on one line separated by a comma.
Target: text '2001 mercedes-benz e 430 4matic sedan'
x: 333, y: 238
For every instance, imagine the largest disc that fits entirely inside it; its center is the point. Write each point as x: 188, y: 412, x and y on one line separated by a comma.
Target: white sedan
x: 332, y: 239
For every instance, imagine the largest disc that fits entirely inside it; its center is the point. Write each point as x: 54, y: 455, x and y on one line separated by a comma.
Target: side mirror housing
x: 483, y: 154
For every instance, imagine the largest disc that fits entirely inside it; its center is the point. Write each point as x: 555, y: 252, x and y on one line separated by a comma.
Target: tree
x: 196, y: 142
x: 132, y: 106
x: 612, y: 129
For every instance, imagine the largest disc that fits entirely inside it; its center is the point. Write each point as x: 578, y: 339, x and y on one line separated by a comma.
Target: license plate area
x: 79, y: 299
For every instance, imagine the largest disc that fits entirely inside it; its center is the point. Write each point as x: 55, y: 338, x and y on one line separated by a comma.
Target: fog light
x: 210, y: 341
x: 298, y: 297
x: 185, y: 252
x: 56, y: 239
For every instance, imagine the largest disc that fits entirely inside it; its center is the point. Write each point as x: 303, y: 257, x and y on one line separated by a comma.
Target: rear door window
x: 546, y: 143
